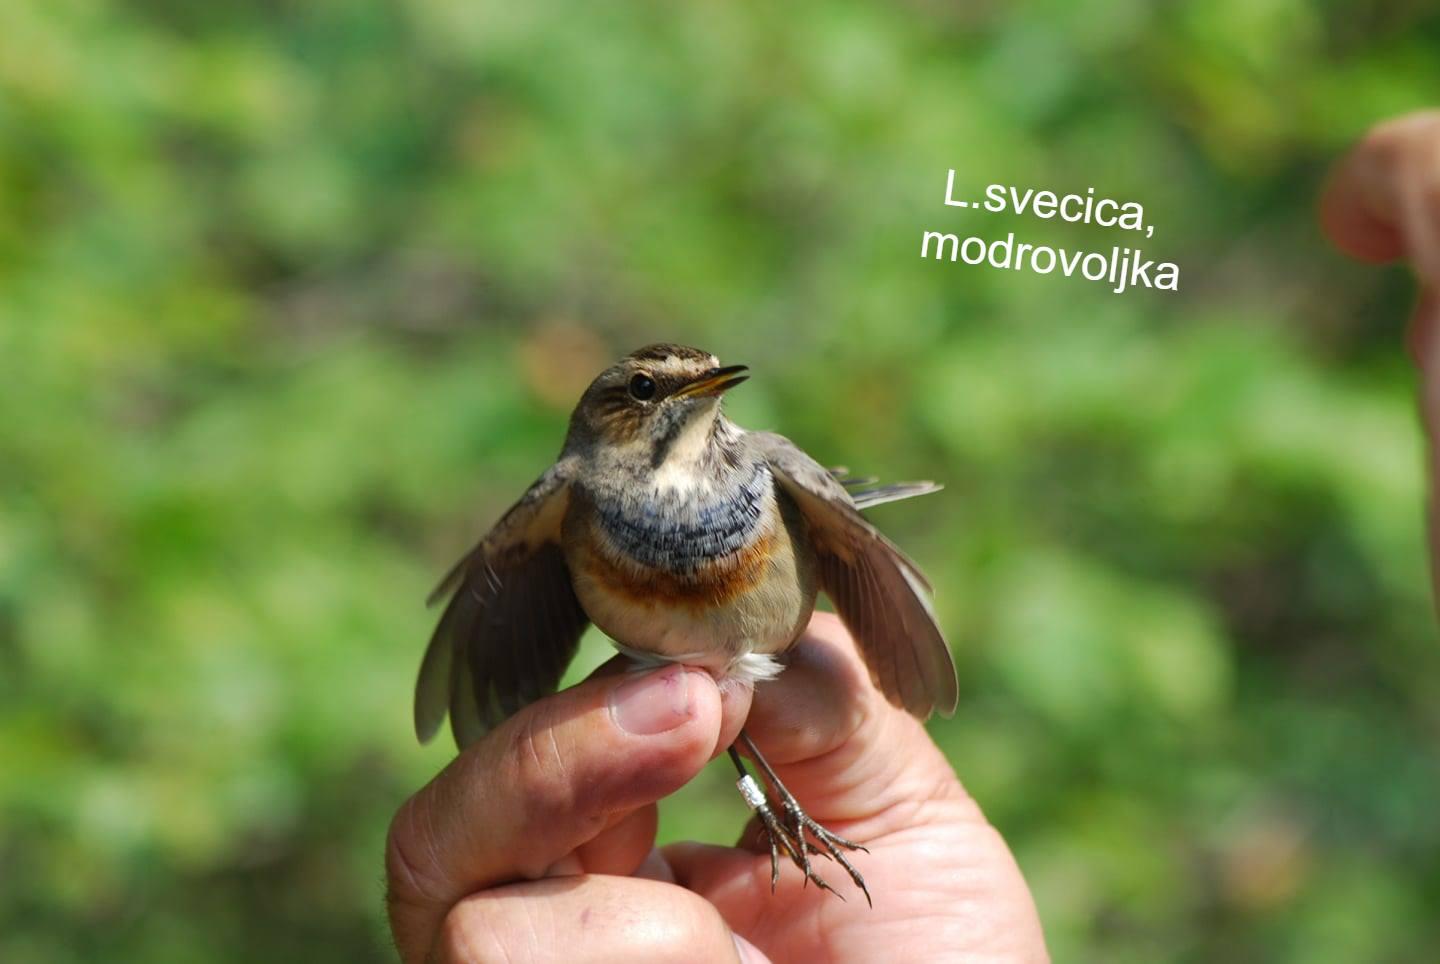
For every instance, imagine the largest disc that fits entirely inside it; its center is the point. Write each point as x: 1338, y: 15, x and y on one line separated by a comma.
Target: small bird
x: 686, y: 539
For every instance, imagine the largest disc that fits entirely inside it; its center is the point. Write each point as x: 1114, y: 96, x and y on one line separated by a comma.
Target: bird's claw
x: 790, y: 835
x: 832, y: 843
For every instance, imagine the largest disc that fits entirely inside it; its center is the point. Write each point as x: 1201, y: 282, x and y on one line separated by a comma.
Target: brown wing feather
x: 511, y: 625
x: 880, y: 595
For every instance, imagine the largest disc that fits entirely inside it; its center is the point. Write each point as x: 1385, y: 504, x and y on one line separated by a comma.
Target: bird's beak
x: 714, y: 382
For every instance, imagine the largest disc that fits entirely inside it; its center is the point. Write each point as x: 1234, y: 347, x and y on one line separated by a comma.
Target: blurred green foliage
x: 294, y: 298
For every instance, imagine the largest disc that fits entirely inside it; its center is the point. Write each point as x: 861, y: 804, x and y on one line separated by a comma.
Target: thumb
x: 836, y: 742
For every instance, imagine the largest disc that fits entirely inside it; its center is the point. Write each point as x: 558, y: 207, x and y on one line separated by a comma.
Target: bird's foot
x: 832, y: 845
x: 792, y: 829
x: 781, y: 835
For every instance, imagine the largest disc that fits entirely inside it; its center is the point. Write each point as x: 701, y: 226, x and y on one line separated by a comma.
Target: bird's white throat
x: 686, y: 464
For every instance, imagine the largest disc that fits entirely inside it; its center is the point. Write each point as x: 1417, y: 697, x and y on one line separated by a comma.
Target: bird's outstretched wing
x: 865, y: 490
x: 512, y: 623
x: 879, y: 594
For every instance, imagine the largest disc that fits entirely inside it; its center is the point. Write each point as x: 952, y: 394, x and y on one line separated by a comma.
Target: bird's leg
x: 796, y: 823
x: 777, y: 835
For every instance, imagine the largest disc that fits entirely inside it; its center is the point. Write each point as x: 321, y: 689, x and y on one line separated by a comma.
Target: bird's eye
x: 642, y: 387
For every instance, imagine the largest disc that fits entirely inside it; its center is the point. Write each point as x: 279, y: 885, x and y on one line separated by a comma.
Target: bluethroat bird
x: 685, y: 539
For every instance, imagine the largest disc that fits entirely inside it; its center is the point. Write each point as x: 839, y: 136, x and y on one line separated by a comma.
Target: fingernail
x: 653, y: 703
x: 746, y: 951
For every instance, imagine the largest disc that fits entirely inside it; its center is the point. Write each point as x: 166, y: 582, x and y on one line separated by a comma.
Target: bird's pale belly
x: 731, y: 615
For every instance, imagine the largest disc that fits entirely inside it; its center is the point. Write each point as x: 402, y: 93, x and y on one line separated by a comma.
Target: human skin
x: 538, y: 842
x: 1382, y: 203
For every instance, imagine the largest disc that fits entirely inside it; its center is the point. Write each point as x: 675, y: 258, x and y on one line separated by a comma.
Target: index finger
x: 545, y: 782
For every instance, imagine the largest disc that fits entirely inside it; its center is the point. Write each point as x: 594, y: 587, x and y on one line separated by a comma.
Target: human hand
x: 1382, y: 203
x: 538, y: 841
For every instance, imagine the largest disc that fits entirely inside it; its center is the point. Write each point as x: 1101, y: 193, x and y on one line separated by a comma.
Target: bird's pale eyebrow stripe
x: 668, y: 353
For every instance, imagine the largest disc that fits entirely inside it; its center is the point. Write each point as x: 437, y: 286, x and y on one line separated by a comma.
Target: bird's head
x: 655, y: 402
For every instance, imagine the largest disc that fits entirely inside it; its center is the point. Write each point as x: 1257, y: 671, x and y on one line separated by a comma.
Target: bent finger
x: 1382, y: 200
x: 546, y: 782
x: 588, y: 918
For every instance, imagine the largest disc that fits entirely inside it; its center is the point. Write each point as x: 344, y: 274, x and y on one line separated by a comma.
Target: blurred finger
x: 1383, y: 199
x: 1359, y: 213
x: 1420, y: 336
x: 546, y: 782
x: 1424, y: 339
x: 588, y: 918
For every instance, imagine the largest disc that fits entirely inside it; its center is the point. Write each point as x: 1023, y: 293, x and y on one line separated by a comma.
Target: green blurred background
x: 295, y: 298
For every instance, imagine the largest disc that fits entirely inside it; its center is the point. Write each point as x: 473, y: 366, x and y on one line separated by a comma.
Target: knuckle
x: 559, y: 791
x: 540, y: 768
x: 468, y: 935
x: 510, y: 929
x: 412, y: 868
x: 674, y: 936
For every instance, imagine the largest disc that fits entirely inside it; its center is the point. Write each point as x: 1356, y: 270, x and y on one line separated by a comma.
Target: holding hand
x: 1383, y: 204
x: 537, y: 842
